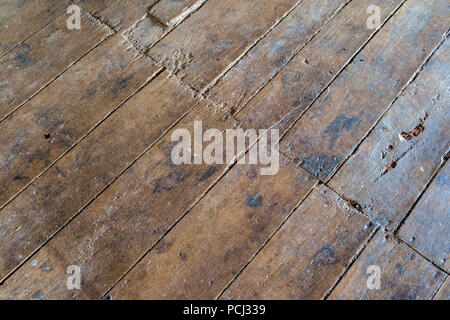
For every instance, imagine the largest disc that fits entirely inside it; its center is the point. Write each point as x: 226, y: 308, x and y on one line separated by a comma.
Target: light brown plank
x: 335, y: 124
x: 308, y: 254
x: 66, y: 110
x: 110, y: 235
x: 214, y: 36
x: 36, y: 14
x: 387, y: 173
x: 60, y: 193
x: 38, y: 60
x: 405, y: 275
x: 272, y: 53
x: 427, y: 228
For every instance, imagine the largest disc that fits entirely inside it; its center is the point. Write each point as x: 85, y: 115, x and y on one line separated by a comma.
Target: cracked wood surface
x: 86, y: 176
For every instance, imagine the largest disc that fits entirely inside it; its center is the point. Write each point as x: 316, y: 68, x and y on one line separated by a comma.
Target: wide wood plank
x: 334, y: 125
x: 214, y: 36
x: 85, y: 171
x: 38, y: 60
x: 390, y: 169
x: 293, y: 90
x: 36, y: 14
x: 427, y: 228
x: 404, y: 274
x: 272, y: 53
x: 110, y: 235
x: 66, y: 110
x: 308, y: 254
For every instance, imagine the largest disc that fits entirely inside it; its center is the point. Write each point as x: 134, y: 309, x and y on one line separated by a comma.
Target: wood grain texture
x: 37, y: 14
x: 214, y: 36
x: 405, y: 275
x: 206, y: 249
x: 444, y: 291
x: 308, y: 254
x: 427, y: 228
x: 387, y: 173
x: 110, y: 235
x: 95, y: 6
x: 35, y: 62
x: 272, y: 53
x: 334, y: 125
x: 60, y: 193
x: 293, y: 90
x: 86, y: 93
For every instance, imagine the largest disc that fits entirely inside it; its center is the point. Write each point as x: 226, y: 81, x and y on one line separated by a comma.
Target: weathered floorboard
x: 444, y: 291
x: 334, y: 125
x: 390, y: 169
x: 405, y: 275
x: 35, y: 62
x: 293, y: 90
x: 308, y: 254
x: 427, y: 228
x: 56, y: 196
x: 206, y: 249
x: 116, y: 229
x: 37, y: 14
x: 272, y: 53
x: 67, y: 109
x: 214, y: 36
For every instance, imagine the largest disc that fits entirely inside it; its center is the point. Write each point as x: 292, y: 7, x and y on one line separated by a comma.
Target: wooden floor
x: 87, y: 180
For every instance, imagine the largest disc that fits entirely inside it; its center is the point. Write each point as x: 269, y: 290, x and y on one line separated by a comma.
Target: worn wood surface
x: 87, y: 178
x: 308, y: 254
x: 444, y: 291
x: 22, y: 67
x: 426, y: 229
x: 388, y: 172
x: 405, y: 275
x: 334, y: 125
x: 37, y: 15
